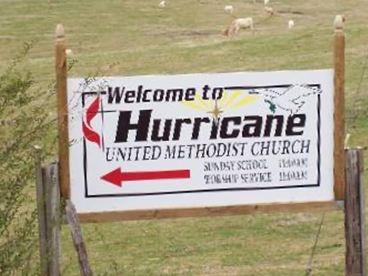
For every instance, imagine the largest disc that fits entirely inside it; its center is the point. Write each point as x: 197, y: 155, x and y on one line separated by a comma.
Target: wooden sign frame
x: 339, y: 154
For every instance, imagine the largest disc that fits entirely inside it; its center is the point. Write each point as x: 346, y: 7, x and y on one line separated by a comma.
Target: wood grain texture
x: 51, y: 184
x: 339, y: 114
x: 354, y: 214
x: 77, y: 237
x: 209, y: 211
x: 62, y: 107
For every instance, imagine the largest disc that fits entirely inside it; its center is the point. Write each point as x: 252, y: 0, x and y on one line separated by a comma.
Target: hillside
x: 134, y: 37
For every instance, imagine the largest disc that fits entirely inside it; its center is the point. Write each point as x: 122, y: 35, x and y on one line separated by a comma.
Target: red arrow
x: 116, y: 177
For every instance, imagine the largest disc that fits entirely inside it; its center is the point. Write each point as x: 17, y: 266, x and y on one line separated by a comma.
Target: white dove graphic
x: 291, y: 99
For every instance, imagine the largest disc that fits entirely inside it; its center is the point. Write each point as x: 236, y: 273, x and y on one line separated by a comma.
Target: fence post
x: 354, y: 214
x: 51, y: 180
x: 41, y: 212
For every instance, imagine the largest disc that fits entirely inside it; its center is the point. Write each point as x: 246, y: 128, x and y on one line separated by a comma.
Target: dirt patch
x: 291, y: 12
x: 186, y: 33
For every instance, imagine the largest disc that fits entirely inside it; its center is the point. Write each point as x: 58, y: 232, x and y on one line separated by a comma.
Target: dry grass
x: 130, y: 37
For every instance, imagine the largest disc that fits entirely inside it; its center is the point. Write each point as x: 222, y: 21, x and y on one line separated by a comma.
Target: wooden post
x: 354, y: 214
x: 51, y: 184
x: 48, y: 209
x: 71, y: 216
x: 41, y: 212
x: 339, y: 108
x: 62, y: 104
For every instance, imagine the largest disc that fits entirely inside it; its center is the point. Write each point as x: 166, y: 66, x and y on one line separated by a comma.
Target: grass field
x: 131, y: 37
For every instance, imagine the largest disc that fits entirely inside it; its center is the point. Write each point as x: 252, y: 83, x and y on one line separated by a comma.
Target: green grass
x: 131, y: 37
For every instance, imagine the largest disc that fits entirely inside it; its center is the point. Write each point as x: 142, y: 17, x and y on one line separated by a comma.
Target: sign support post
x: 62, y: 104
x: 63, y: 164
x: 339, y: 108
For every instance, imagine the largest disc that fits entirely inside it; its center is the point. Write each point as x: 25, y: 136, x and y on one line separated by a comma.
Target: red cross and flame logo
x: 91, y: 111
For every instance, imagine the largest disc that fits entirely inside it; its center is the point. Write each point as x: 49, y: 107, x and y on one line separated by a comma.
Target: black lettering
x: 116, y: 95
x: 129, y: 94
x: 177, y: 127
x: 156, y: 129
x: 252, y: 129
x: 268, y: 126
x: 197, y: 126
x: 190, y: 94
x: 176, y: 94
x: 158, y: 95
x: 295, y: 121
x: 124, y: 125
x: 224, y: 127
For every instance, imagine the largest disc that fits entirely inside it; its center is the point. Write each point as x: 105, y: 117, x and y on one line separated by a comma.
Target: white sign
x: 197, y: 140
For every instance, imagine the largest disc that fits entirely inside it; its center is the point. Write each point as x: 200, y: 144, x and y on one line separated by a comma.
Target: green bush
x: 24, y: 122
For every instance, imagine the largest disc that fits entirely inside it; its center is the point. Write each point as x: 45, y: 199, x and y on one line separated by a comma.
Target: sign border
x: 87, y: 195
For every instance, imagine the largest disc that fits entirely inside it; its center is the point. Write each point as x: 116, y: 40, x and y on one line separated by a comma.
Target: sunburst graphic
x: 230, y: 101
x: 290, y: 99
